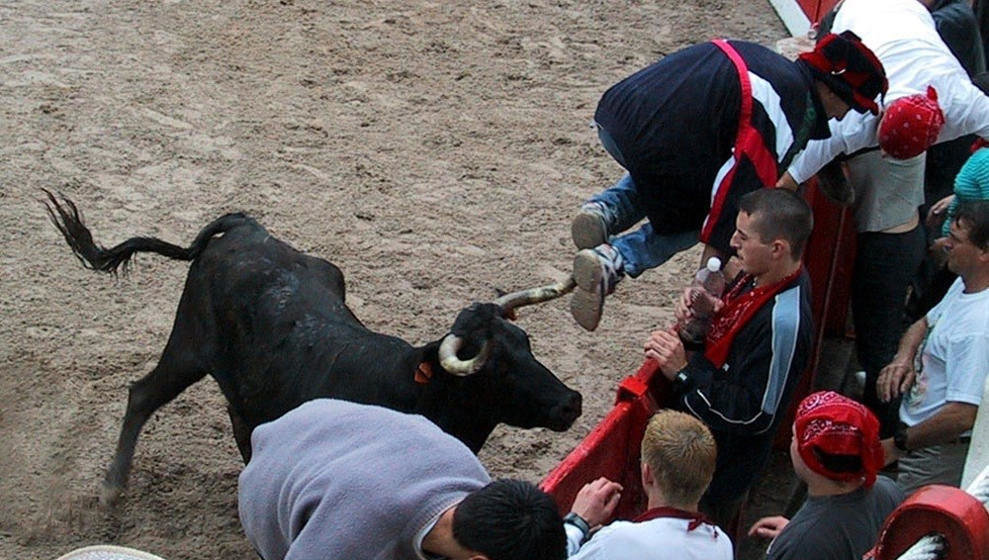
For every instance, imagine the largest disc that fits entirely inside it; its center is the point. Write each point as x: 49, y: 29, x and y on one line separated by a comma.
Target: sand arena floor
x: 435, y: 151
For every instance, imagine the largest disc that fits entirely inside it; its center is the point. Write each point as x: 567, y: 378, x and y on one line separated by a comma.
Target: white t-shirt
x: 953, y: 360
x: 914, y: 56
x: 664, y: 537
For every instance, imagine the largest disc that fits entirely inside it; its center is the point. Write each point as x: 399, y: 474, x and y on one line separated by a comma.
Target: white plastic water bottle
x: 708, y: 285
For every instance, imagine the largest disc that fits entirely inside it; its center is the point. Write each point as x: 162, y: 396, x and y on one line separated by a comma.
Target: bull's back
x: 280, y: 331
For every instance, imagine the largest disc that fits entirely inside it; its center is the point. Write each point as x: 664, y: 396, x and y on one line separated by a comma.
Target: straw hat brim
x: 108, y: 552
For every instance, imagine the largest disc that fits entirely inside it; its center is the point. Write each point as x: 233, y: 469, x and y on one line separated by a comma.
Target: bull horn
x: 514, y: 300
x: 450, y: 362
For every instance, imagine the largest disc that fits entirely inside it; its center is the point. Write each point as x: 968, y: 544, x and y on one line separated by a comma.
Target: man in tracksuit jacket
x: 758, y: 346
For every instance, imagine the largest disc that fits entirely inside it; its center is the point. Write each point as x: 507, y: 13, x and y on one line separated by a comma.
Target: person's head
x: 850, y: 72
x: 771, y: 230
x: 510, y: 520
x: 678, y: 455
x: 968, y: 240
x: 836, y: 438
x: 910, y: 125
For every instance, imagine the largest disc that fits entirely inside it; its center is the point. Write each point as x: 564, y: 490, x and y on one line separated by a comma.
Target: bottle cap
x: 714, y: 264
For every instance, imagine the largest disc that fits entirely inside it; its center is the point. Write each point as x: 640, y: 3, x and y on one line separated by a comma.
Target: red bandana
x: 911, y: 125
x: 738, y: 310
x: 837, y: 425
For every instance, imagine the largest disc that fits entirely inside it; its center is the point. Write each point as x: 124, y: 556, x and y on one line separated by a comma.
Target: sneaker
x: 589, y: 228
x: 596, y: 272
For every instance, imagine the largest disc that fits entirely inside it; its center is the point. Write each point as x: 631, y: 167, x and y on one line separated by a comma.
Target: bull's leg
x: 176, y: 370
x: 242, y: 433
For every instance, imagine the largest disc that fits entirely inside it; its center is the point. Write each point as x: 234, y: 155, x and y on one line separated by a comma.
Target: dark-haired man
x: 941, y: 365
x: 758, y: 345
x: 835, y: 449
x: 930, y: 100
x: 697, y: 130
x: 335, y: 479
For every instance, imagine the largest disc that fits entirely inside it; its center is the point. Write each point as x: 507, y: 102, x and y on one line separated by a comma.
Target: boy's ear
x: 648, y: 479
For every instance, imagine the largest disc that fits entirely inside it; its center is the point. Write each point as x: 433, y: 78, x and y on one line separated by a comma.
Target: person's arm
x: 768, y: 527
x: 899, y: 375
x: 854, y: 132
x: 952, y: 420
x: 965, y: 107
x: 765, y: 359
x: 595, y: 503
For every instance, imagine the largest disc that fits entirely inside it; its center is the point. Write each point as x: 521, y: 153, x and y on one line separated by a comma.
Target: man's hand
x: 682, y: 310
x: 666, y: 348
x: 935, y: 216
x: 684, y: 306
x: 597, y: 500
x: 895, y: 379
x: 787, y: 182
x: 768, y: 527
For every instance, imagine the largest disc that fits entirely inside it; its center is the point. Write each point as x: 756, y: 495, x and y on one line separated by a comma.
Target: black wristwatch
x: 579, y: 522
x: 900, y: 438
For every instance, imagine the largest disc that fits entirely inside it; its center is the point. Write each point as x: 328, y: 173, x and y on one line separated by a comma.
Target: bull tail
x: 67, y: 218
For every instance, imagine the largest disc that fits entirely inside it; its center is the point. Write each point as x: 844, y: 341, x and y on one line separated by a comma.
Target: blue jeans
x: 643, y: 248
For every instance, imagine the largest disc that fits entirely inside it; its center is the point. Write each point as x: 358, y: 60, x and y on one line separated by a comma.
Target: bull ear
x: 450, y: 362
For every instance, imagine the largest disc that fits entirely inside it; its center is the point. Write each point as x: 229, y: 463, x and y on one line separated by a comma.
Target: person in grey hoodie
x: 334, y: 479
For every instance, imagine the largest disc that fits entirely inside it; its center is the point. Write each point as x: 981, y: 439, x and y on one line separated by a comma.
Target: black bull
x: 270, y: 325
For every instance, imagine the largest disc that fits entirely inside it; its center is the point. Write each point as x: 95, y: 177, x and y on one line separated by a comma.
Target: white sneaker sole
x: 587, y: 302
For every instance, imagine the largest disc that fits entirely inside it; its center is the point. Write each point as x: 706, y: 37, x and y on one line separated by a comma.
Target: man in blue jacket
x: 696, y: 131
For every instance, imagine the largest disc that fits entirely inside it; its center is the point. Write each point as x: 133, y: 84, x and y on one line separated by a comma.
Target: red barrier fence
x: 612, y: 448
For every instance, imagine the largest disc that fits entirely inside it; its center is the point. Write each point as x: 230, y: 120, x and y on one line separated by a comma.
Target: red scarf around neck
x: 696, y: 518
x: 738, y: 309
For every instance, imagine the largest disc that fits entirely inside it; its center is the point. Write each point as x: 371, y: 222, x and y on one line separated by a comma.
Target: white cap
x: 714, y: 264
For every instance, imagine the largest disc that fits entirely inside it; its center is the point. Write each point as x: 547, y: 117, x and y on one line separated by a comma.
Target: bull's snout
x: 563, y: 415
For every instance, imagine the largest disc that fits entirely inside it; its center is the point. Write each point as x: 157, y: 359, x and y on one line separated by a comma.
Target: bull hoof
x: 110, y: 495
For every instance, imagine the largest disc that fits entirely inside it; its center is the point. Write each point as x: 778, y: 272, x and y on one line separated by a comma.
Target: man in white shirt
x: 942, y: 362
x: 678, y: 457
x: 891, y: 242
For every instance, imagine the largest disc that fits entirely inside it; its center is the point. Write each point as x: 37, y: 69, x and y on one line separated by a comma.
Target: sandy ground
x: 435, y: 151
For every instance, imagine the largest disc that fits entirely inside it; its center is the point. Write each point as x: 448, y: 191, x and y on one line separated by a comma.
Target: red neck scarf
x: 740, y: 306
x: 696, y: 519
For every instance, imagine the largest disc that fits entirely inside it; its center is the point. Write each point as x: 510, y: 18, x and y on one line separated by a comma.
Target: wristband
x: 680, y: 381
x: 579, y: 522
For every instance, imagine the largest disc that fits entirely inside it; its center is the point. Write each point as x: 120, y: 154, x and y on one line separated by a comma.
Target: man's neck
x: 976, y: 282
x: 776, y: 274
x: 657, y: 500
x: 439, y: 540
x: 823, y: 487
